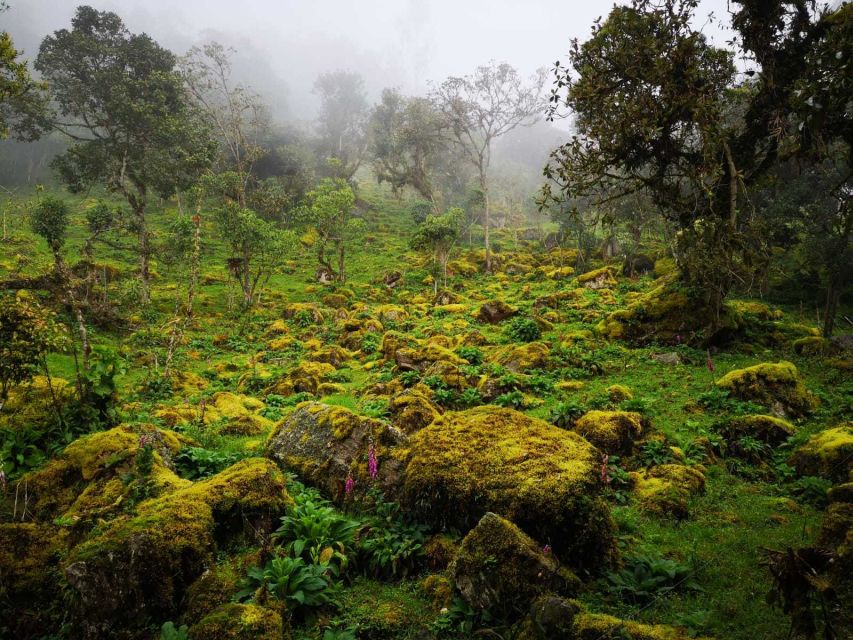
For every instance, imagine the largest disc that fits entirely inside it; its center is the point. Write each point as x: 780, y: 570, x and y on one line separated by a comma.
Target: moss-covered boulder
x: 524, y: 357
x: 667, y: 314
x: 603, y: 278
x: 303, y: 312
x: 234, y: 621
x: 412, y: 409
x: 667, y: 488
x: 550, y: 618
x: 89, y: 480
x: 332, y: 354
x: 768, y: 429
x: 324, y: 444
x: 420, y: 358
x: 304, y: 378
x: 541, y: 477
x: 214, y: 587
x: 611, y: 431
x: 138, y: 567
x: 495, y: 311
x: 828, y: 453
x: 776, y: 385
x: 501, y: 569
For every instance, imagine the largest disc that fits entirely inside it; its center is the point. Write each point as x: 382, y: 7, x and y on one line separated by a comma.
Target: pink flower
x: 350, y: 483
x: 605, y: 477
x: 372, y: 464
x: 546, y: 549
x: 709, y: 362
x: 146, y: 440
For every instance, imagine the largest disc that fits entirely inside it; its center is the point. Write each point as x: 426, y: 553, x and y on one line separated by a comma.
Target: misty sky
x: 283, y: 44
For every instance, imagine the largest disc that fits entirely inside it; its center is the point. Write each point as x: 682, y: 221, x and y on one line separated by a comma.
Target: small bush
x: 645, y: 577
x: 522, y: 329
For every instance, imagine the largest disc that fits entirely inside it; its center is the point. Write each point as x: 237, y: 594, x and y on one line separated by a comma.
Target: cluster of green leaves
x: 197, y: 462
x: 565, y: 413
x: 390, y: 544
x: 644, y: 578
x: 521, y: 329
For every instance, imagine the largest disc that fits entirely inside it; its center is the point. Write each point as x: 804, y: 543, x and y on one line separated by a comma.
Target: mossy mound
x: 501, y: 569
x: 214, y: 587
x: 419, y: 359
x: 666, y: 489
x: 521, y: 358
x: 304, y: 378
x: 768, y: 429
x: 412, y: 410
x: 30, y: 405
x: 828, y: 453
x: 139, y: 567
x: 324, y: 444
x: 85, y: 481
x: 595, y: 626
x: 776, y: 385
x: 619, y: 393
x: 550, y: 618
x: 333, y: 355
x: 303, y: 312
x: 495, y: 311
x: 391, y: 313
x: 603, y: 278
x: 240, y: 622
x: 490, y: 459
x: 667, y: 315
x: 611, y: 431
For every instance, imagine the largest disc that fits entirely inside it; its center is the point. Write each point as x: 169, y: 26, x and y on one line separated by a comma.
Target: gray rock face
x: 502, y: 569
x: 325, y: 444
x: 667, y: 358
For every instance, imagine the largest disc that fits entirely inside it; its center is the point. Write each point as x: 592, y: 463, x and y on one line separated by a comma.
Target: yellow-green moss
x: 598, y: 278
x: 828, y: 453
x: 214, y: 587
x: 438, y: 589
x: 611, y: 431
x: 493, y: 459
x: 769, y: 429
x: 390, y: 313
x: 665, y: 267
x: 594, y: 626
x: 31, y: 404
x: 412, y: 410
x: 774, y: 384
x: 666, y: 489
x: 521, y: 358
x: 239, y: 622
x: 619, y: 393
x: 303, y: 309
x: 502, y: 569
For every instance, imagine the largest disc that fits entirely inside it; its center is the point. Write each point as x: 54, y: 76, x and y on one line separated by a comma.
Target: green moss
x: 828, y: 453
x: 522, y: 358
x: 501, y: 569
x: 665, y: 267
x: 611, y: 431
x: 386, y: 611
x: 439, y: 590
x: 215, y: 587
x: 593, y: 626
x: 768, y: 429
x: 619, y: 393
x: 412, y: 409
x: 666, y: 489
x: 490, y: 459
x: 774, y: 384
x: 599, y: 278
x: 240, y: 622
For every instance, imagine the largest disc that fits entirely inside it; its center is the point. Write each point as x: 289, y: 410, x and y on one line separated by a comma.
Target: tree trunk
x: 833, y: 294
x: 487, y: 221
x: 144, y: 253
x: 342, y: 276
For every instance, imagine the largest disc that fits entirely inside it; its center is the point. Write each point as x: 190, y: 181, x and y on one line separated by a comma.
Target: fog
x: 281, y: 46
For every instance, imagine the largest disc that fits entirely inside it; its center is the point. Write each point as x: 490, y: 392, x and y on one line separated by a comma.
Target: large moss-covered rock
x: 768, y: 429
x: 594, y: 626
x: 324, y: 444
x: 603, y: 278
x: 776, y: 385
x: 611, y: 431
x: 490, y: 459
x: 501, y: 569
x: 421, y: 358
x: 234, y: 621
x: 550, y: 618
x: 667, y: 488
x: 495, y: 311
x: 139, y: 567
x: 828, y: 453
x: 412, y: 409
x: 524, y: 357
x: 667, y: 315
x: 213, y: 588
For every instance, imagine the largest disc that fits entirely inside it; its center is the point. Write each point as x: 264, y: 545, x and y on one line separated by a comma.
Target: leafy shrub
x: 469, y: 398
x: 522, y: 329
x: 460, y: 618
x: 566, y: 413
x: 511, y: 399
x: 472, y: 354
x: 197, y: 462
x: 638, y: 405
x: 315, y: 531
x: 390, y: 545
x: 812, y: 489
x: 370, y: 343
x: 170, y: 632
x: 653, y: 453
x: 299, y: 585
x: 410, y: 378
x: 645, y: 577
x: 20, y: 451
x: 375, y: 408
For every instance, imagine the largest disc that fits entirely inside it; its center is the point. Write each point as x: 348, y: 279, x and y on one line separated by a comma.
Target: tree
x: 342, y: 123
x: 329, y: 211
x: 19, y: 93
x: 50, y: 221
x: 482, y: 107
x: 438, y: 234
x: 121, y: 102
x: 407, y: 142
x: 657, y: 111
x: 27, y: 333
x: 256, y: 246
x: 233, y: 111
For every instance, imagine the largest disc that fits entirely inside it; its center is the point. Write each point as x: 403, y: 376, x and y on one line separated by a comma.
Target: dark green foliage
x: 170, y: 632
x: 644, y: 578
x: 653, y: 453
x: 522, y: 329
x: 390, y: 545
x: 194, y: 463
x: 566, y: 413
x: 299, y: 585
x: 50, y: 221
x: 473, y: 355
x: 511, y: 399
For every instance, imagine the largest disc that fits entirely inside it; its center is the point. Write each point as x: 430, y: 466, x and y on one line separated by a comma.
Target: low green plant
x: 812, y: 489
x: 521, y: 329
x: 564, y: 414
x: 170, y: 632
x: 473, y: 355
x: 645, y: 577
x: 512, y: 399
x: 300, y: 585
x: 390, y: 545
x: 654, y: 453
x: 197, y: 462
